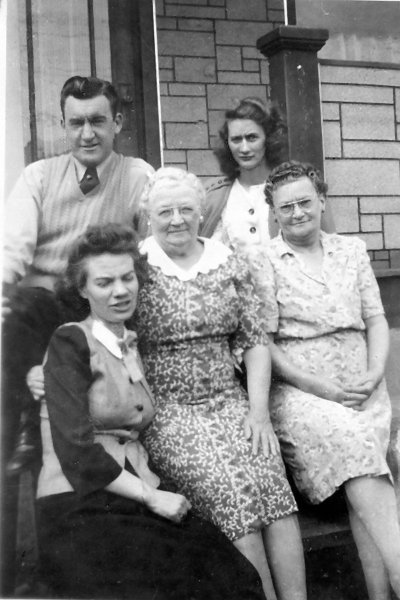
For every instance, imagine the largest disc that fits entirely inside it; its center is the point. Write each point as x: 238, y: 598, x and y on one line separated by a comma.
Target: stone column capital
x: 294, y: 80
x: 291, y: 37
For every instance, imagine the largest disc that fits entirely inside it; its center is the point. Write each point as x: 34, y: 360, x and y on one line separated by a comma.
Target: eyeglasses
x: 288, y: 209
x: 167, y: 214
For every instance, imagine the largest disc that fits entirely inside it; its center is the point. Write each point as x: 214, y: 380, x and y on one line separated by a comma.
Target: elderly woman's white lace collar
x: 215, y: 254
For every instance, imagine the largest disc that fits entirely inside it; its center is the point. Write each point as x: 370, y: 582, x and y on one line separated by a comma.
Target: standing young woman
x: 253, y: 143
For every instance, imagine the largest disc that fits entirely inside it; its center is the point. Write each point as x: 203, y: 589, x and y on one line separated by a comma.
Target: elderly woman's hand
x: 166, y: 504
x: 259, y: 430
x: 35, y: 382
x: 366, y: 385
x: 336, y: 392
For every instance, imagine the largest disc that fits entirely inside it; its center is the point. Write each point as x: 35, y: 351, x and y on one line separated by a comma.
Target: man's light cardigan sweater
x: 47, y: 211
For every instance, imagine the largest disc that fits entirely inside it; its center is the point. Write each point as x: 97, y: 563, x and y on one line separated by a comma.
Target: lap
x: 300, y: 414
x: 324, y: 443
x: 106, y: 545
x: 202, y: 451
x: 34, y: 316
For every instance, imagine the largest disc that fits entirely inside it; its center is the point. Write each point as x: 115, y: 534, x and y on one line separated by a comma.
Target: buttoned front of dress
x: 114, y: 406
x: 245, y: 217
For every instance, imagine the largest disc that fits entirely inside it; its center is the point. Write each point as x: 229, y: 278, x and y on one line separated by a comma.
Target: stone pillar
x: 294, y: 79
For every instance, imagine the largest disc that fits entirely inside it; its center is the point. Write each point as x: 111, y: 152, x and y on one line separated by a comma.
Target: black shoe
x: 26, y: 452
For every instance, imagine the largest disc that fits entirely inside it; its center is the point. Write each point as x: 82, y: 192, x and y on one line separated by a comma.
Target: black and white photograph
x: 200, y: 331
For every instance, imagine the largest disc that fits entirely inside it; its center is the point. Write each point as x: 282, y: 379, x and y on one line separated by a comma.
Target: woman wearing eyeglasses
x: 329, y: 343
x: 210, y: 440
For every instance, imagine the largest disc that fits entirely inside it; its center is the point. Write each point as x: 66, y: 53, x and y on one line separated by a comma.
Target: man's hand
x: 35, y: 382
x: 7, y: 292
x: 5, y: 308
x: 260, y: 431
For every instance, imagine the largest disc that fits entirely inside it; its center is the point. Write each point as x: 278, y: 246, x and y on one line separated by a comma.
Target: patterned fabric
x: 319, y: 324
x: 188, y: 332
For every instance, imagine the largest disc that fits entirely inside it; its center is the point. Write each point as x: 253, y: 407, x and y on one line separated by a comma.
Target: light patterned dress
x: 319, y: 325
x: 190, y: 324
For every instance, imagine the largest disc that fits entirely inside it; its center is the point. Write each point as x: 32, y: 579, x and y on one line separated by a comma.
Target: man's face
x: 90, y: 128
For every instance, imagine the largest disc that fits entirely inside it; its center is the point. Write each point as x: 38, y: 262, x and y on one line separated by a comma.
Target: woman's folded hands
x: 350, y: 395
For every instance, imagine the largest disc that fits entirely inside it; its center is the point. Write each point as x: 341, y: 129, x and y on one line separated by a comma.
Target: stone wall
x: 361, y: 128
x: 208, y: 59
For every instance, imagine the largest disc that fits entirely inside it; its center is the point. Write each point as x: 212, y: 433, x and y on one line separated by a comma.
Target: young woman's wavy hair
x: 112, y: 239
x: 273, y: 125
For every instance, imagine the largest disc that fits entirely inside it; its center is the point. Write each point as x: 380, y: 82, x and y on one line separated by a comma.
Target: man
x: 53, y: 202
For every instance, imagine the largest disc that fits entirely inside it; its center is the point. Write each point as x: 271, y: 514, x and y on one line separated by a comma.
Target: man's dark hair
x: 83, y: 88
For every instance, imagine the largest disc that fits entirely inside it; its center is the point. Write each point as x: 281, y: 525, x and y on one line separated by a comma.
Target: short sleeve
x: 264, y: 278
x: 252, y: 326
x: 68, y: 377
x: 371, y: 303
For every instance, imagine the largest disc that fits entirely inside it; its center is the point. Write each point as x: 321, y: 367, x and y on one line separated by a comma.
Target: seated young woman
x: 106, y: 528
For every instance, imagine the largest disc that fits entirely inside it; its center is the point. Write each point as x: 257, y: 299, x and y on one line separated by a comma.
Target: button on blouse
x: 245, y: 217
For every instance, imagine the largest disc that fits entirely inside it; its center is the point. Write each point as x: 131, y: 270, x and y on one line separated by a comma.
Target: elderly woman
x: 329, y: 342
x: 253, y: 142
x: 106, y: 528
x: 210, y: 440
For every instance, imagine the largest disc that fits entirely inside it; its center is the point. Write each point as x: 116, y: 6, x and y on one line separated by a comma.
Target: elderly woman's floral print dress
x: 319, y: 325
x: 190, y: 324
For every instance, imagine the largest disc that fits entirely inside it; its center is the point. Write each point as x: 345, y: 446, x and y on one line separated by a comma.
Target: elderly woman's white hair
x: 170, y: 178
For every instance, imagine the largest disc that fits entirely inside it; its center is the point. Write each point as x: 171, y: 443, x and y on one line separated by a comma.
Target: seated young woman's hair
x: 269, y: 119
x: 113, y: 238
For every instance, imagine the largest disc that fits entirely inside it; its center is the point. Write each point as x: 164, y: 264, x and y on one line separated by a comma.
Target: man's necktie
x: 90, y: 180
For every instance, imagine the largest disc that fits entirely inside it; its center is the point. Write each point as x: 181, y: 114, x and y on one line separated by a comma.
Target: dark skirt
x: 105, y: 546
